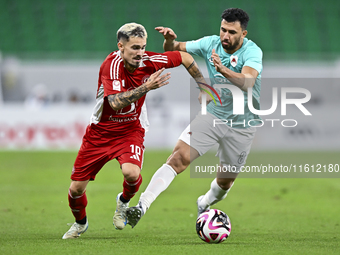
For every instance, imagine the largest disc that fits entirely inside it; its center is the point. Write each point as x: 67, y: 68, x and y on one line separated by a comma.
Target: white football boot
x: 201, y: 209
x: 76, y: 230
x: 119, y: 219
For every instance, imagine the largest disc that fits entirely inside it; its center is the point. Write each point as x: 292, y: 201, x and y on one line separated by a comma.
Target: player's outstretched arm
x: 170, y: 44
x: 193, y: 69
x: 155, y: 81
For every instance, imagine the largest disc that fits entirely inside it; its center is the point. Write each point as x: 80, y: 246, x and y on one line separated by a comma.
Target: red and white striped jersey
x: 114, y: 78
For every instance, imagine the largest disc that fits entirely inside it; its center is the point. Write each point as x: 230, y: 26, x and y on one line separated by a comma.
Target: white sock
x: 215, y: 194
x: 159, y: 182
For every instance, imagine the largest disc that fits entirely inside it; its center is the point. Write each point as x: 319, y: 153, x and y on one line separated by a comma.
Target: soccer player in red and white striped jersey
x: 118, y: 122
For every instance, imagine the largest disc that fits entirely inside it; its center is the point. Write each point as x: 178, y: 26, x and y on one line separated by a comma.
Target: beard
x: 136, y: 65
x: 232, y: 46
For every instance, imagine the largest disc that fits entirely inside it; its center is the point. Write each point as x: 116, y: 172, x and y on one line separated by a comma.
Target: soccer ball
x: 213, y: 226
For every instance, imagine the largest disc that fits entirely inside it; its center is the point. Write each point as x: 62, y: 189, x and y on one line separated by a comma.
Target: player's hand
x: 208, y: 97
x: 167, y: 32
x: 217, y: 61
x: 156, y: 80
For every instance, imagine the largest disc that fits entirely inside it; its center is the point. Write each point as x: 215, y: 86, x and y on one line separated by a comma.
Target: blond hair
x: 131, y: 30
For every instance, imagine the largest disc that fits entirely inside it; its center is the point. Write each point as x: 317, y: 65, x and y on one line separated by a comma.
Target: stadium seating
x: 86, y: 28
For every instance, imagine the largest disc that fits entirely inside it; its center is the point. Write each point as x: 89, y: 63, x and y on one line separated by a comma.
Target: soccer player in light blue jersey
x: 231, y: 59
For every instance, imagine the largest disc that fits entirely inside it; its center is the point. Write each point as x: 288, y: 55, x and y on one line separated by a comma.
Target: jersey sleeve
x: 112, y: 86
x: 199, y: 47
x: 174, y: 58
x: 167, y: 59
x: 253, y: 58
x: 111, y: 77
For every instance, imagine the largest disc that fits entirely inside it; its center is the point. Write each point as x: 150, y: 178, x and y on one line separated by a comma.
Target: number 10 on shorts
x: 137, y: 151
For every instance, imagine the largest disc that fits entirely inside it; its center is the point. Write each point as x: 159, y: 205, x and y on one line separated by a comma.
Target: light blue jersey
x: 248, y: 55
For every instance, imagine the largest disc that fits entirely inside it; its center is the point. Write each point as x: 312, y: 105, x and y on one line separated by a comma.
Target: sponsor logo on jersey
x: 116, y: 85
x: 121, y: 120
x: 220, y: 79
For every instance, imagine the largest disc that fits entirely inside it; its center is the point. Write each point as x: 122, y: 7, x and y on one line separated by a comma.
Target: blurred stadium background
x: 51, y: 52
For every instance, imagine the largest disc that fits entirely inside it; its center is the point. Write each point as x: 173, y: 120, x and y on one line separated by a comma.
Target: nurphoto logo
x: 238, y: 104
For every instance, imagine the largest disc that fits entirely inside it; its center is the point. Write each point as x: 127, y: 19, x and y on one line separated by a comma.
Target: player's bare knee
x: 179, y: 160
x: 130, y: 171
x: 75, y: 193
x: 77, y: 189
x: 132, y: 175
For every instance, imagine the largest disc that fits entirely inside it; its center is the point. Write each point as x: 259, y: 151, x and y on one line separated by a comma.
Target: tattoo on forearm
x: 121, y: 100
x: 195, y: 73
x: 194, y: 70
x: 192, y: 64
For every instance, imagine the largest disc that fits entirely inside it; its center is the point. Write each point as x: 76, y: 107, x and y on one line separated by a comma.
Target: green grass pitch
x: 268, y: 215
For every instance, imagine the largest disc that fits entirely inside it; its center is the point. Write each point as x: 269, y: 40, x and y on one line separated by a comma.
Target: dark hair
x: 236, y: 14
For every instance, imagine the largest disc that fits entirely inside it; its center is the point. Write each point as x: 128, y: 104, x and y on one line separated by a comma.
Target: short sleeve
x: 167, y: 59
x: 253, y: 58
x: 174, y: 59
x: 199, y: 47
x: 112, y: 86
x: 111, y: 77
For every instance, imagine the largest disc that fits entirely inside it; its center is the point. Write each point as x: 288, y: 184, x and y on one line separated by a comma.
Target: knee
x: 131, y: 172
x: 76, y: 189
x: 225, y: 183
x: 179, y: 160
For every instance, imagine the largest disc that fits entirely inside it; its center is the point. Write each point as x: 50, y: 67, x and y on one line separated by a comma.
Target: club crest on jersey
x: 145, y: 78
x: 116, y: 85
x: 233, y: 60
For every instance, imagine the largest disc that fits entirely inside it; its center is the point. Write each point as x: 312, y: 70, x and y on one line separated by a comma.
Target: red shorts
x: 97, y: 149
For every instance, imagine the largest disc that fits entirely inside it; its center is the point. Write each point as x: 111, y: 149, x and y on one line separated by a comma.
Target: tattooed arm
x: 121, y: 100
x: 193, y: 69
